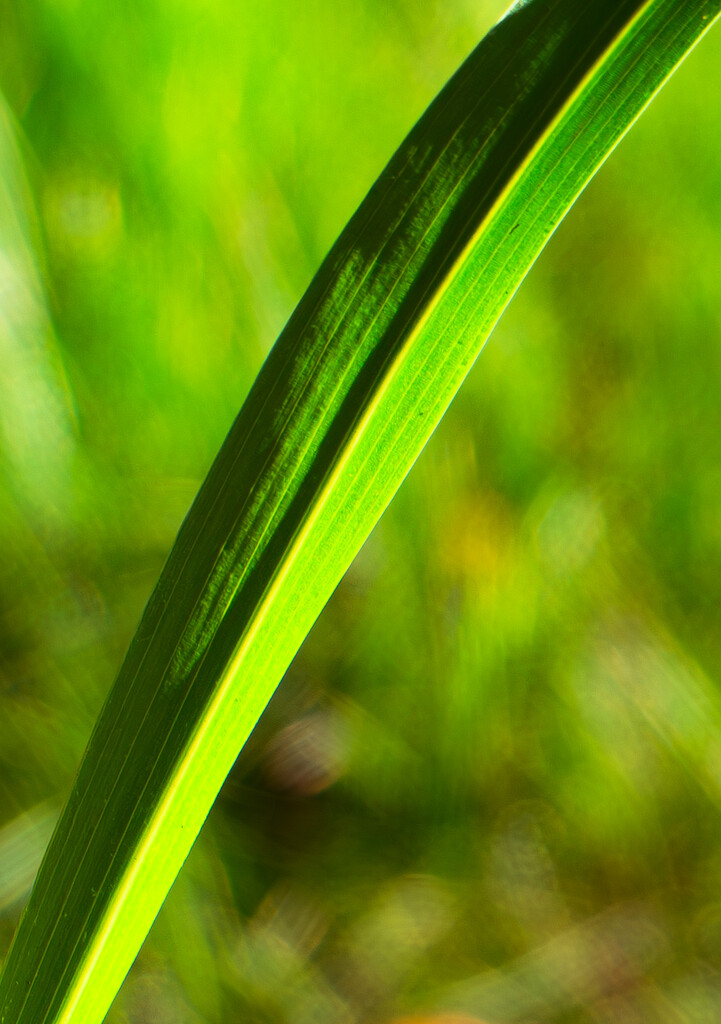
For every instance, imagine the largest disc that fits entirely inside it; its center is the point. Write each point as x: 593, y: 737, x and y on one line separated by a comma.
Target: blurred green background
x: 491, y: 781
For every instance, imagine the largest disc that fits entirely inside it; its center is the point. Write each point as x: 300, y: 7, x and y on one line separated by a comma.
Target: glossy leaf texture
x: 345, y: 402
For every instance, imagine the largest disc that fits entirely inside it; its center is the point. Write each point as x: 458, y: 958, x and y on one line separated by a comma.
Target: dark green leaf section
x: 346, y: 400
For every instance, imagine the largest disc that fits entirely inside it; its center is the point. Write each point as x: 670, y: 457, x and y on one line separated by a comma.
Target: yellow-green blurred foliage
x: 490, y: 787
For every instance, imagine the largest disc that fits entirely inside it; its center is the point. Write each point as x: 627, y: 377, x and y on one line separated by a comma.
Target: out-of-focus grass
x: 491, y: 782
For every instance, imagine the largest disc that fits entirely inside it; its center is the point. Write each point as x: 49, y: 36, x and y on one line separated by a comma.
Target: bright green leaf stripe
x: 349, y: 395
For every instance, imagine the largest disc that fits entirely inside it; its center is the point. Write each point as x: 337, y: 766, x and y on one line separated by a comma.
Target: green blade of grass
x: 346, y: 400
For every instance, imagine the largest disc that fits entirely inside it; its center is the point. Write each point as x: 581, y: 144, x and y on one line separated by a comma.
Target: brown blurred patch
x: 444, y: 1018
x: 308, y: 755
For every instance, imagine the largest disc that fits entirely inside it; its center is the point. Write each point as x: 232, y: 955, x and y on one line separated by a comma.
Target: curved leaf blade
x: 351, y: 392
